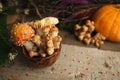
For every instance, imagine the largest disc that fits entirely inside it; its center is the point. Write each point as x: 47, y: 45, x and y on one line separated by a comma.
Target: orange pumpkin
x: 107, y: 21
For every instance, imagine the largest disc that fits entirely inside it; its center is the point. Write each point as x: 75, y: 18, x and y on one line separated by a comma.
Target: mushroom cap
x: 48, y: 21
x: 21, y: 33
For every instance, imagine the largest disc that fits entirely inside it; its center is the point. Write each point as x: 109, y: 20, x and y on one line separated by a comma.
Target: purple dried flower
x: 67, y: 2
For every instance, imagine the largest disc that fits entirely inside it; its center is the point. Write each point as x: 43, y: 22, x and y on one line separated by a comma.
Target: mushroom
x: 49, y: 21
x: 37, y: 40
x: 54, y: 31
x: 84, y: 28
x: 87, y: 41
x: 49, y: 37
x: 46, y: 30
x: 29, y: 45
x: 87, y: 35
x: 57, y: 40
x: 37, y: 24
x: 90, y: 25
x: 32, y: 53
x: 50, y: 50
x: 39, y: 31
x: 77, y: 27
x: 50, y: 43
x: 21, y: 35
x: 42, y: 53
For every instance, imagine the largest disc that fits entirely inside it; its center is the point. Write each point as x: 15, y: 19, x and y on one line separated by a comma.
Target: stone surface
x: 76, y: 62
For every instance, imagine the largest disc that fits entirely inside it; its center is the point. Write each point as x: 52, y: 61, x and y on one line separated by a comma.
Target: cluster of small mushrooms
x: 40, y: 38
x: 84, y: 33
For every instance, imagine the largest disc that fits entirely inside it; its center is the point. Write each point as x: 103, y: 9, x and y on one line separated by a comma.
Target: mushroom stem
x: 50, y: 50
x: 38, y: 43
x: 49, y: 43
x: 56, y: 45
x: 57, y: 41
x: 36, y: 40
x: 77, y: 27
x: 39, y: 31
x: 84, y: 28
x: 54, y: 31
x: 28, y: 45
x: 32, y: 53
x: 42, y: 54
x: 46, y: 30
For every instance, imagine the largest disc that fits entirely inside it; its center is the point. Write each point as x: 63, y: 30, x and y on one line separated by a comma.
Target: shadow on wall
x: 70, y: 39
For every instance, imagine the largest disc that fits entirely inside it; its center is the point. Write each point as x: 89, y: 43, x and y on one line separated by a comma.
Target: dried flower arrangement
x: 68, y: 11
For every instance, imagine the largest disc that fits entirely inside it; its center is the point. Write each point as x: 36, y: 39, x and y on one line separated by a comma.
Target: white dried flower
x: 1, y: 7
x: 16, y: 2
x: 26, y: 11
x: 12, y: 56
x: 18, y: 10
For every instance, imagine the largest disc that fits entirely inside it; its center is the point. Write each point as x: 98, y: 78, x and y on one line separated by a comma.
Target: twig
x: 36, y: 8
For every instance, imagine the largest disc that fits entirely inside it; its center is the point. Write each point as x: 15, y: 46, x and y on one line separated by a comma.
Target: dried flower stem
x: 36, y: 8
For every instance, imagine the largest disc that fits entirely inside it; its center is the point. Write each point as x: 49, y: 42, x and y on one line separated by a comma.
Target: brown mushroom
x: 37, y: 40
x: 49, y: 43
x: 42, y: 53
x: 32, y: 53
x: 57, y: 40
x: 54, y: 31
x: 50, y: 50
x: 46, y: 30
